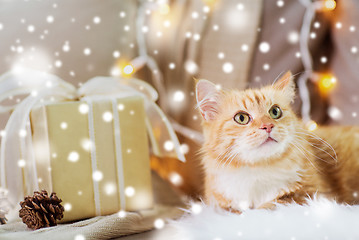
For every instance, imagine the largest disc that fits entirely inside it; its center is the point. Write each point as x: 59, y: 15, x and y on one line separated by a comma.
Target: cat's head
x: 249, y: 126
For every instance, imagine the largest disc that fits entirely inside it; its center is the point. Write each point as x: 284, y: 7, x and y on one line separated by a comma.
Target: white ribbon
x: 93, y: 156
x: 45, y: 87
x: 118, y: 147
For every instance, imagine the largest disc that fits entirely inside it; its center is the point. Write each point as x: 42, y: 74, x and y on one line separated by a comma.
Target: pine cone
x: 41, y: 210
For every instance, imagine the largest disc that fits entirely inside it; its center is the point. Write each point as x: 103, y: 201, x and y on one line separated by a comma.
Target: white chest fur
x: 248, y: 187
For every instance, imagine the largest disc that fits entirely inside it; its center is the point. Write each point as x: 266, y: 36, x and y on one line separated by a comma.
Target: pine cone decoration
x: 41, y: 210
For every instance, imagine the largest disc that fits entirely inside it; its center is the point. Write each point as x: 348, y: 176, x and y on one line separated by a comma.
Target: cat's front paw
x: 232, y: 210
x: 268, y: 206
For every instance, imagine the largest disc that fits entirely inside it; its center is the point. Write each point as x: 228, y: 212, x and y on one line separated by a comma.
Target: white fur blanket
x: 319, y: 219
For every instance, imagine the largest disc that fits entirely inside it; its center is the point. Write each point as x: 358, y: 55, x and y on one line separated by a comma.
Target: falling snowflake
x: 195, y: 15
x: 338, y: 25
x: 87, y: 51
x: 122, y: 14
x: 191, y: 67
x: 168, y: 145
x: 335, y: 113
x: 67, y: 207
x: 159, y: 223
x: 31, y: 28
x: 50, y: 19
x: 130, y: 191
x: 240, y: 6
x: 196, y: 208
x: 293, y: 37
x: 63, y: 125
x: 184, y: 147
x: 121, y: 107
x: 107, y: 116
x: 227, y: 67
x: 97, y: 176
x: 96, y: 20
x: 21, y: 163
x: 86, y: 144
x: 280, y: 3
x: 58, y: 63
x: 172, y: 66
x: 264, y: 47
x: 22, y: 133
x: 354, y: 50
x: 175, y: 178
x: 79, y: 237
x: 83, y: 108
x: 244, y: 47
x: 122, y: 214
x: 316, y: 25
x: 73, y: 156
x: 196, y: 37
x: 266, y: 67
x: 178, y: 96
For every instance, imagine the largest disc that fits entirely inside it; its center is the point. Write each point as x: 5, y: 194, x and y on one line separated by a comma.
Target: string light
x: 326, y: 83
x: 128, y: 70
x: 312, y: 125
x: 329, y: 5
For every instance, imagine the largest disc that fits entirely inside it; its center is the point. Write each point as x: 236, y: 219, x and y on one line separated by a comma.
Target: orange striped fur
x: 269, y: 159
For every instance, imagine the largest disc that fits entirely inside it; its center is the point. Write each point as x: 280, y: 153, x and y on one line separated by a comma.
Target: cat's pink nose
x: 267, y: 127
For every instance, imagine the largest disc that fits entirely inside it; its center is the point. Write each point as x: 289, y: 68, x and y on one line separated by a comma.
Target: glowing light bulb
x: 128, y: 70
x: 329, y: 5
x: 326, y: 83
x: 311, y: 125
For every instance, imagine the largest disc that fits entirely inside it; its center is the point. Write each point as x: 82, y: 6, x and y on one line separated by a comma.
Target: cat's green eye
x: 242, y: 118
x: 275, y: 112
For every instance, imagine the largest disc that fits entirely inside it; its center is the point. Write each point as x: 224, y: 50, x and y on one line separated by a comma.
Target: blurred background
x: 233, y: 43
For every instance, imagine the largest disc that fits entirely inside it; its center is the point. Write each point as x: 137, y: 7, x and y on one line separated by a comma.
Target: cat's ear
x: 207, y: 96
x: 286, y: 84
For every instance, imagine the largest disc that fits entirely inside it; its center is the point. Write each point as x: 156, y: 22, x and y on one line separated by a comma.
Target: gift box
x: 119, y: 176
x: 89, y: 145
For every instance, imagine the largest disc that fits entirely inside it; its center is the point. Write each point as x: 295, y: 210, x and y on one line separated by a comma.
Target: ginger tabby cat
x: 257, y: 152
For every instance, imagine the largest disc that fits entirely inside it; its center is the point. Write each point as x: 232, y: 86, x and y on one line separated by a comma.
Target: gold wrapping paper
x: 61, y: 132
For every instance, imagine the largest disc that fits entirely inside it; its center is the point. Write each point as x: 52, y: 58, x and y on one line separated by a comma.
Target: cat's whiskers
x: 317, y: 157
x: 302, y: 150
x: 320, y: 149
x: 319, y: 139
x: 233, y: 157
x: 220, y: 158
x: 312, y: 135
x: 224, y: 156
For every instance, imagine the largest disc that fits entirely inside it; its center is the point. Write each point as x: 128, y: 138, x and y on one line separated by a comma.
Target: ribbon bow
x: 16, y: 145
